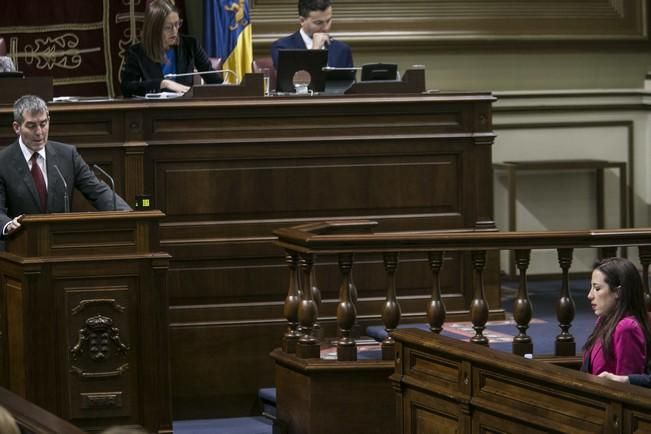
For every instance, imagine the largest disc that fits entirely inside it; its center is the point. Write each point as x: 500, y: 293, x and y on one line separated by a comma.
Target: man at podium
x: 38, y: 176
x: 315, y: 17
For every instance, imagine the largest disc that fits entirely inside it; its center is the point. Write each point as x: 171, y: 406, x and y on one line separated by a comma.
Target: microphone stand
x: 66, y: 202
x: 110, y: 178
x: 216, y: 71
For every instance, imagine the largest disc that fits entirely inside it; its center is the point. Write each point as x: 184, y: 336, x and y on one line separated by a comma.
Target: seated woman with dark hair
x: 619, y: 343
x: 163, y: 50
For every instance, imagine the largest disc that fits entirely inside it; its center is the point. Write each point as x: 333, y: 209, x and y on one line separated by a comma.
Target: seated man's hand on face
x: 320, y: 40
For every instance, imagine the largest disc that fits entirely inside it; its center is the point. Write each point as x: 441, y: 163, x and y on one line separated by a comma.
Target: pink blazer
x: 629, y: 350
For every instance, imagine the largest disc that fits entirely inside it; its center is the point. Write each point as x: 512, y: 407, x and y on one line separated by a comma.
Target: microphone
x: 214, y: 71
x: 66, y: 204
x: 95, y: 166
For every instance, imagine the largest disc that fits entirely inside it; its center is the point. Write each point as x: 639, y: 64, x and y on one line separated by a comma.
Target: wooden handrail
x: 32, y: 418
x: 346, y: 238
x: 338, y: 237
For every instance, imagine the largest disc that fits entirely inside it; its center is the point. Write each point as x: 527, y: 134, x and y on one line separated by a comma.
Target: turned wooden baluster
x: 346, y: 312
x: 436, y: 308
x: 308, y: 346
x: 565, y: 308
x: 645, y: 260
x: 522, y: 311
x: 290, y: 309
x: 391, y: 311
x: 479, y: 306
x: 317, y: 332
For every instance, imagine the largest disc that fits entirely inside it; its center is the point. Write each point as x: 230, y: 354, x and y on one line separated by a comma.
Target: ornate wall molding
x: 444, y: 22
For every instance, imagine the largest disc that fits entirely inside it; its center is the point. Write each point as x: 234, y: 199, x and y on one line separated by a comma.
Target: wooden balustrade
x: 345, y: 239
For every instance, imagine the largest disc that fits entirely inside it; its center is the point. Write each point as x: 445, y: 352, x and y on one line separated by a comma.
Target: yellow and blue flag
x: 227, y: 35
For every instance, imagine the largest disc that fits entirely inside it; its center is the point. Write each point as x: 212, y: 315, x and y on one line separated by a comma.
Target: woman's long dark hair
x: 621, y: 275
x: 152, y: 28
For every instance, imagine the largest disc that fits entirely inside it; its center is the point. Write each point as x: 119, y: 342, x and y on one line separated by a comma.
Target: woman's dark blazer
x: 141, y: 75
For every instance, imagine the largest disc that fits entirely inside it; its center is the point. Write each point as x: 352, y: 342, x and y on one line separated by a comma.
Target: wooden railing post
x: 522, y: 311
x: 436, y: 307
x: 391, y: 312
x: 316, y: 296
x: 346, y: 312
x: 565, y: 308
x: 645, y: 260
x: 308, y: 346
x: 479, y: 306
x: 290, y: 309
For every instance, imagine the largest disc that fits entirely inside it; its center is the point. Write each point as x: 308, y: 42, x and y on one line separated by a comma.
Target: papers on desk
x: 163, y: 95
x: 81, y: 99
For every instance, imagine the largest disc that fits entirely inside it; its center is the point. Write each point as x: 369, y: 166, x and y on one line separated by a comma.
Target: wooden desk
x: 446, y: 385
x: 228, y: 172
x: 84, y: 331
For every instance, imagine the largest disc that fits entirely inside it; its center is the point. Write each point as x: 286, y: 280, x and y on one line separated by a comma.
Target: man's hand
x: 320, y: 40
x: 14, y: 225
x: 618, y: 378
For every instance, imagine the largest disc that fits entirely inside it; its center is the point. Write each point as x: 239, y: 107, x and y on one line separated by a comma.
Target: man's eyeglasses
x: 169, y: 27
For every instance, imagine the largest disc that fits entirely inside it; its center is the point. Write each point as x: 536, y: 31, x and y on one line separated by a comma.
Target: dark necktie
x: 39, y: 182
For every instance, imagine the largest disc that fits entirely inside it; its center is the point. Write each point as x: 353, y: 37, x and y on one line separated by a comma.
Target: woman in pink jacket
x: 621, y: 339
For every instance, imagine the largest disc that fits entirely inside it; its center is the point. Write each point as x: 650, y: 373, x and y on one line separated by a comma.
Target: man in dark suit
x: 315, y: 17
x: 32, y: 168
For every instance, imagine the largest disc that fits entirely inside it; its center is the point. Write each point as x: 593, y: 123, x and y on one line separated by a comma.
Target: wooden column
x: 565, y: 308
x: 479, y: 307
x: 436, y: 308
x: 346, y: 312
x: 522, y: 310
x: 391, y: 311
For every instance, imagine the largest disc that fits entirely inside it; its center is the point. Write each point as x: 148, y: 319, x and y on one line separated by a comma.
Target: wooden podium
x: 84, y: 326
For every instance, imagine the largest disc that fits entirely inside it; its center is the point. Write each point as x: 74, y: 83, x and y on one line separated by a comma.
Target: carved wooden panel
x: 280, y: 188
x: 101, y: 344
x: 637, y: 422
x: 388, y: 23
x: 493, y: 390
x: 425, y: 414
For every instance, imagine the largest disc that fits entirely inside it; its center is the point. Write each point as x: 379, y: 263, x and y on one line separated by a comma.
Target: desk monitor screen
x: 380, y: 71
x: 338, y: 80
x: 291, y: 61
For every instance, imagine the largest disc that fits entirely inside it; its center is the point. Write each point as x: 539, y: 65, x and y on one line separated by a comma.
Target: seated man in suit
x: 315, y: 17
x: 32, y: 170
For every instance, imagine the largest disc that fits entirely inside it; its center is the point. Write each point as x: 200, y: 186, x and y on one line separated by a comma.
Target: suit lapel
x: 22, y: 169
x: 298, y: 40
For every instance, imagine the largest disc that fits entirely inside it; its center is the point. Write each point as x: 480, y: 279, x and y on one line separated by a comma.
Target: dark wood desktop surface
x: 228, y: 172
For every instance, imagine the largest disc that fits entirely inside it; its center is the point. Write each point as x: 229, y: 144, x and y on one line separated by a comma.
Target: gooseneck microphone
x: 214, y: 71
x: 66, y: 202
x: 110, y: 178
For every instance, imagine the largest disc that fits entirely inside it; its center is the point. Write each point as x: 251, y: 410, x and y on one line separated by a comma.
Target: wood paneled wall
x: 228, y: 172
x: 410, y: 23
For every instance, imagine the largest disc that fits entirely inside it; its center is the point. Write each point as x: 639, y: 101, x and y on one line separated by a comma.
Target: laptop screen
x: 291, y: 61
